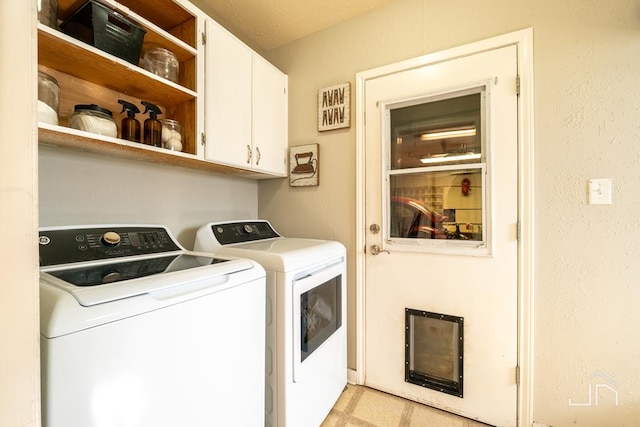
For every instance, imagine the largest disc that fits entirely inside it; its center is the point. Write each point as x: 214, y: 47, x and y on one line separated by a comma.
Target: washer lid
x: 98, y: 283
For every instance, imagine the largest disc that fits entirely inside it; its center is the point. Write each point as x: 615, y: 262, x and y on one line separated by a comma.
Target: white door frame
x: 524, y: 41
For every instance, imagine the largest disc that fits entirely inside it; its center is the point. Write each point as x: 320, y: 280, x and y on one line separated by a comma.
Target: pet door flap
x: 434, y: 351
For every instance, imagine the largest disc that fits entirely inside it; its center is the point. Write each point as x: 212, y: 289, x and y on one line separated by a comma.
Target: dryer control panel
x: 240, y: 232
x: 70, y: 245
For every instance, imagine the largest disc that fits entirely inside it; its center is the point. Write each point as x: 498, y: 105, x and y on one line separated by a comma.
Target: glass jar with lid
x: 48, y: 92
x: 94, y: 119
x: 162, y: 62
x: 171, y: 135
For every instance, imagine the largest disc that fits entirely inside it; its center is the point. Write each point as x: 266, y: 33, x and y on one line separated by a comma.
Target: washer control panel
x: 62, y: 246
x: 240, y: 232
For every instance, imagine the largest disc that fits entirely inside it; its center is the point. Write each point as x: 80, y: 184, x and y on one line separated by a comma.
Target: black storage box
x: 107, y: 30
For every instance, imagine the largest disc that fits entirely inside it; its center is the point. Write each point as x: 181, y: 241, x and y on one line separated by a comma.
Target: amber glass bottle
x: 152, y: 127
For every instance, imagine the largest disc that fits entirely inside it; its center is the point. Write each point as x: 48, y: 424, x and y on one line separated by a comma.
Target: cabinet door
x: 270, y: 104
x: 228, y: 98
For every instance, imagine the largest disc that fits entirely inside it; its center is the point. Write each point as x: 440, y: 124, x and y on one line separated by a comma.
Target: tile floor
x: 362, y: 406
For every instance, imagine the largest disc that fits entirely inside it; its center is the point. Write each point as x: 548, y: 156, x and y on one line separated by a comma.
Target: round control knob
x: 248, y: 228
x: 110, y: 238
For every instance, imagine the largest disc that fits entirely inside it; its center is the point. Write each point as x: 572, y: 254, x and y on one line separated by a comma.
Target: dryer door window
x: 318, y: 303
x: 320, y: 315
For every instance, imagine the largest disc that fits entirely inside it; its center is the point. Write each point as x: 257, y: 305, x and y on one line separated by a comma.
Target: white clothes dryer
x: 137, y: 331
x: 306, y: 356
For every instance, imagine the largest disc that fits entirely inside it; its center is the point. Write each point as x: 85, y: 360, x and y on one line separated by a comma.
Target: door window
x: 436, y: 171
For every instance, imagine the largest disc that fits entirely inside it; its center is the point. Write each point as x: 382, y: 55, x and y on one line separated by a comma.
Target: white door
x: 441, y: 180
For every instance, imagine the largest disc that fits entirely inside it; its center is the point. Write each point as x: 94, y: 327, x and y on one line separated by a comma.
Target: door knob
x: 375, y: 250
x: 374, y: 228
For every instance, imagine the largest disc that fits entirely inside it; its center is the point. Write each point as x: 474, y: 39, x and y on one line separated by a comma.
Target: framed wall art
x: 304, y: 165
x: 334, y: 107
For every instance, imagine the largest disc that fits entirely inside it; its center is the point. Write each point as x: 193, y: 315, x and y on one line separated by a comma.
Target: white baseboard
x: 352, y: 377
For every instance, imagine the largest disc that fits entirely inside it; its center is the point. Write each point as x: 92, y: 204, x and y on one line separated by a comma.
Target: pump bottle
x: 130, y: 126
x: 152, y: 126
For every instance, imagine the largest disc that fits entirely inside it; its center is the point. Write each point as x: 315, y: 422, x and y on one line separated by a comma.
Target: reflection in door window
x: 437, y: 205
x: 437, y: 167
x: 445, y: 131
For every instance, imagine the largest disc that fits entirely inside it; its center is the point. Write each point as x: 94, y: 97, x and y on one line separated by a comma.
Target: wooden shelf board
x: 75, y: 140
x: 73, y: 57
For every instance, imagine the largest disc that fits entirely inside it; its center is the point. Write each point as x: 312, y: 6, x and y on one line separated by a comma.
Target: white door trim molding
x: 523, y: 39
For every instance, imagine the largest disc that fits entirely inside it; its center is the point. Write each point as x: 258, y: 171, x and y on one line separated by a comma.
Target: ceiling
x: 267, y: 24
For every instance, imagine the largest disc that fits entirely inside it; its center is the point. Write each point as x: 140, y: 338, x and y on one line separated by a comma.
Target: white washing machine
x: 137, y: 332
x: 306, y: 366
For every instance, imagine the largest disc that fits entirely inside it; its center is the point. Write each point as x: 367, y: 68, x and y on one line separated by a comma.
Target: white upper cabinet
x: 245, y: 106
x: 227, y: 97
x: 269, y: 118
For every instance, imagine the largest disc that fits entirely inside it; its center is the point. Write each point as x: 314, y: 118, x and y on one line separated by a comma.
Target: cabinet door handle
x: 248, y: 154
x: 258, y: 158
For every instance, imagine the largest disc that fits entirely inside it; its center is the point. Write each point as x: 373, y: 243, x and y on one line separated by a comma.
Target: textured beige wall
x: 587, y: 125
x: 19, y: 327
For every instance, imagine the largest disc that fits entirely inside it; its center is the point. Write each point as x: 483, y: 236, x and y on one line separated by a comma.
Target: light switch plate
x: 600, y: 191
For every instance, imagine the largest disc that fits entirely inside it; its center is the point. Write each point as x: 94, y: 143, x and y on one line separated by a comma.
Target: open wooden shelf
x: 167, y: 15
x: 59, y: 136
x: 70, y: 56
